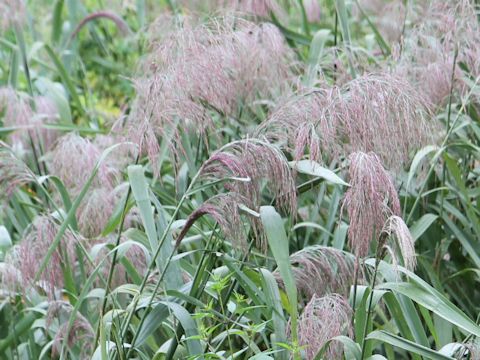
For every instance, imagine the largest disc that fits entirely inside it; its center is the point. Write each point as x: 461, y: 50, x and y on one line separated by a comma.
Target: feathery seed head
x: 374, y: 112
x: 125, y: 152
x: 17, y: 112
x: 396, y: 229
x: 260, y: 8
x: 322, y: 319
x: 46, y: 112
x: 247, y: 167
x: 196, y: 73
x: 33, y: 249
x: 75, y: 174
x: 313, y: 10
x: 81, y: 334
x: 391, y: 20
x: 95, y: 210
x: 259, y: 163
x: 370, y: 200
x: 98, y: 250
x: 305, y: 122
x: 321, y: 270
x: 12, y: 12
x: 13, y: 171
x: 224, y: 209
x: 255, y: 8
x: 428, y: 52
x: 384, y: 114
x: 11, y: 280
x: 388, y: 16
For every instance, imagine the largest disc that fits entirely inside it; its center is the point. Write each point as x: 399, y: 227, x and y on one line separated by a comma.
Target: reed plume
x: 369, y: 202
x: 322, y: 319
x: 198, y: 73
x: 322, y: 270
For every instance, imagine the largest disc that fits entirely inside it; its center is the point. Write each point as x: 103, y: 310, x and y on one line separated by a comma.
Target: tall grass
x: 268, y: 179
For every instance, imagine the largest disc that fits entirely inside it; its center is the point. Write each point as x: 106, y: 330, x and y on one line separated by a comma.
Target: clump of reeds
x: 198, y: 73
x: 375, y: 112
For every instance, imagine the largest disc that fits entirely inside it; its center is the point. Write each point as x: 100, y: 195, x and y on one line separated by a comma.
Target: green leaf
x: 278, y: 244
x: 173, y: 274
x: 57, y: 22
x: 154, y: 319
x: 344, y: 26
x: 71, y: 213
x: 351, y: 349
x: 191, y: 331
x: 21, y: 327
x: 407, y: 345
x: 310, y: 167
x: 5, y: 239
x: 422, y: 293
x: 421, y: 225
x: 140, y: 187
x: 272, y: 295
x: 315, y: 54
x: 419, y: 156
x: 65, y: 78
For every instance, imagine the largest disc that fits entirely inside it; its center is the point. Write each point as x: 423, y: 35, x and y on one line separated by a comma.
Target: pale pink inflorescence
x: 391, y: 20
x: 13, y: 171
x: 95, y: 211
x: 224, y: 209
x: 376, y: 112
x: 370, y: 201
x: 123, y: 154
x: 12, y: 12
x: 401, y: 240
x: 33, y: 249
x: 75, y: 174
x: 322, y: 319
x: 195, y: 73
x: 261, y: 8
x: 103, y: 195
x: 256, y: 8
x: 305, y: 122
x: 321, y: 270
x: 249, y: 168
x: 46, y: 112
x: 80, y: 334
x: 427, y: 55
x: 260, y: 166
x: 428, y: 65
x: 18, y: 113
x: 384, y: 114
x: 313, y: 10
x: 11, y: 281
x: 389, y: 16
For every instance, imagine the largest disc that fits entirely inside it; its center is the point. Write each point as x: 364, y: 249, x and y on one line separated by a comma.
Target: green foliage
x: 136, y: 289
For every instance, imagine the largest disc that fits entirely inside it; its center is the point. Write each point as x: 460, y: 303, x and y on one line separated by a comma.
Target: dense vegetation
x: 239, y: 179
